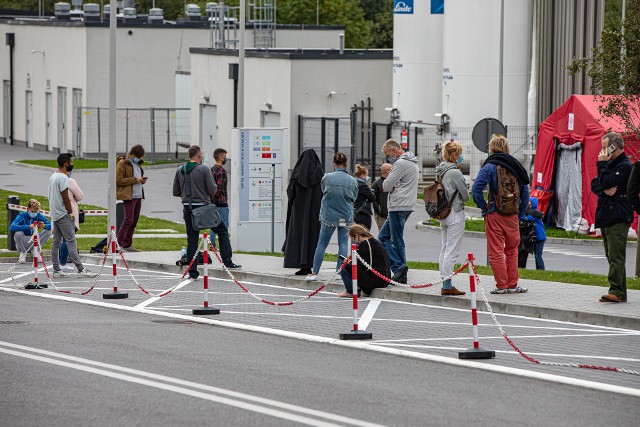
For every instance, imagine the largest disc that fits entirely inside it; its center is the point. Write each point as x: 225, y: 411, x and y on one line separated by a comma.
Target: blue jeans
x: 538, y: 253
x: 326, y: 231
x: 392, y: 238
x: 347, y: 279
x: 224, y: 216
x: 193, y: 237
x: 64, y: 252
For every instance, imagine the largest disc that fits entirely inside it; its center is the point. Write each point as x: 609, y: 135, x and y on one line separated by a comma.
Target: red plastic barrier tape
x: 532, y: 359
x: 90, y: 212
x: 275, y: 303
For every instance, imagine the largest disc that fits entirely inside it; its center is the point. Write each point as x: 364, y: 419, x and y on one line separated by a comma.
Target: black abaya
x: 303, y: 212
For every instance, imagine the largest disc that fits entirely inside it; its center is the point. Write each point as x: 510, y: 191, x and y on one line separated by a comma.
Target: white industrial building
x: 60, y: 65
x: 283, y: 85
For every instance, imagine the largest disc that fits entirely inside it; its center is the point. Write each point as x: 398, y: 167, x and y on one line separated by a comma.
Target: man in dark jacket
x: 614, y: 213
x: 381, y: 196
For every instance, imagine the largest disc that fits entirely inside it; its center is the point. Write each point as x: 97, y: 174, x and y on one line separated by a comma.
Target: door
x: 29, y: 118
x: 6, y: 109
x: 269, y: 119
x: 568, y: 186
x: 76, y: 119
x: 62, y: 119
x: 48, y: 105
x: 208, y: 130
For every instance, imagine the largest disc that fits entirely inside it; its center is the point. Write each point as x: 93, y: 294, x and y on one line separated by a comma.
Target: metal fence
x: 163, y: 132
x: 326, y: 135
x: 426, y: 142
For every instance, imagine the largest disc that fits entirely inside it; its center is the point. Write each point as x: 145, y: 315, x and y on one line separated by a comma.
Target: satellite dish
x: 483, y: 130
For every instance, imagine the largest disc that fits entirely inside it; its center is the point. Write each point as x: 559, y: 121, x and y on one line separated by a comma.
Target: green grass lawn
x: 90, y: 163
x: 93, y: 224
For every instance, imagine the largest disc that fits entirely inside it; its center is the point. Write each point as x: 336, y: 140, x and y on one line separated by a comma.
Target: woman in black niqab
x: 303, y: 212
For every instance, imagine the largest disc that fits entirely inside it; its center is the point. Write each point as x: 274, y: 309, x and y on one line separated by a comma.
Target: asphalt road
x: 159, y: 203
x: 366, y: 387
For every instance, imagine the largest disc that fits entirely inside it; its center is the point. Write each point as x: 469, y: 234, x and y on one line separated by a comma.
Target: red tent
x: 569, y: 141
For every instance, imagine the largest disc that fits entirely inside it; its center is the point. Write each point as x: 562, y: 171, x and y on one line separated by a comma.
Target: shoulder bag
x: 202, y: 217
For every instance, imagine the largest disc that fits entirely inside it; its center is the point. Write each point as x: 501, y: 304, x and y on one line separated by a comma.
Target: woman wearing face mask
x: 452, y: 226
x: 362, y: 210
x: 23, y: 227
x: 373, y: 254
x: 129, y: 180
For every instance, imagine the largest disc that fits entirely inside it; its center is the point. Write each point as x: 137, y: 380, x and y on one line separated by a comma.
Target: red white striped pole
x: 114, y: 252
x: 476, y: 352
x: 355, y: 334
x: 205, y: 279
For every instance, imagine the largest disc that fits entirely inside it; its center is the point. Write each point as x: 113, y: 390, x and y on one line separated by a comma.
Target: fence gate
x: 326, y: 135
x: 164, y: 132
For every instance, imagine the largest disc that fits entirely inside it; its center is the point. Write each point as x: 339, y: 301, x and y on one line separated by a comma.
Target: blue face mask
x: 33, y: 214
x: 460, y: 160
x: 135, y: 159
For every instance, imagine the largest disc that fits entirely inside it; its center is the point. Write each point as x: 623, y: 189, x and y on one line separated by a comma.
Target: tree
x: 614, y: 67
x: 382, y: 30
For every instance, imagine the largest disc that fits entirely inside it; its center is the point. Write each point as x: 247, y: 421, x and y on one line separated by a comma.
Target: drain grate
x: 12, y: 322
x: 174, y: 322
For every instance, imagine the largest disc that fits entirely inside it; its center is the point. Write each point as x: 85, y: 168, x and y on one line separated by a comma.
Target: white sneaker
x: 68, y: 268
x: 87, y: 273
x: 311, y: 277
x: 59, y: 273
x: 23, y: 258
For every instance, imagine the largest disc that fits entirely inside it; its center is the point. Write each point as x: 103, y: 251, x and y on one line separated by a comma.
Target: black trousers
x: 362, y: 219
x: 192, y: 242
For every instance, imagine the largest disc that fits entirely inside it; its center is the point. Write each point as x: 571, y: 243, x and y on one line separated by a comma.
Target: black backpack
x: 199, y: 259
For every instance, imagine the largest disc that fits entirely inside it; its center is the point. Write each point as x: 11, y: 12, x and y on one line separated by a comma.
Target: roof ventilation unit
x: 156, y: 16
x: 62, y: 11
x: 129, y: 14
x: 193, y: 12
x: 91, y: 12
x: 76, y: 13
x: 106, y: 11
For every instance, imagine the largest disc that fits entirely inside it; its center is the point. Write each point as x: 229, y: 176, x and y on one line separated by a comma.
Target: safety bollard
x: 355, y: 334
x: 35, y: 251
x: 115, y: 294
x: 205, y: 309
x: 476, y: 352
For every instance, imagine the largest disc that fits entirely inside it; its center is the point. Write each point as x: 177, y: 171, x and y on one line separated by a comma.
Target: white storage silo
x: 471, y: 61
x: 417, y: 60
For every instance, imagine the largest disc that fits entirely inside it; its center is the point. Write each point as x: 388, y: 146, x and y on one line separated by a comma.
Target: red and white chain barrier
x: 404, y: 285
x: 205, y: 309
x: 163, y: 293
x: 115, y: 294
x: 531, y: 359
x: 276, y: 303
x: 35, y: 251
x: 66, y: 291
x: 355, y: 333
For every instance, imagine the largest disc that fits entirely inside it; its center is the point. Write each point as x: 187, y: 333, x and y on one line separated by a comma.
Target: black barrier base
x: 115, y: 295
x: 42, y: 286
x: 203, y: 311
x: 357, y: 335
x: 476, y: 353
x: 31, y: 285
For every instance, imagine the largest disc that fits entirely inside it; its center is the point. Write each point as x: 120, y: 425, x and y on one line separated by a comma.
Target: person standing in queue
x: 129, y: 180
x: 366, y: 201
x: 302, y: 226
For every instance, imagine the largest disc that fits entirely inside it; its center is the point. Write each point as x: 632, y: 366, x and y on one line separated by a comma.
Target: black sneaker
x: 232, y: 266
x: 400, y: 276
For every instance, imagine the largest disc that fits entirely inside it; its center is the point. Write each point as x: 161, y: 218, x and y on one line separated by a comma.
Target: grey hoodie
x: 451, y: 181
x: 402, y: 183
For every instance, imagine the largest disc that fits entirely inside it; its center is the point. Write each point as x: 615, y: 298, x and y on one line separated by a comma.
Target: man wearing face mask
x: 221, y: 198
x: 129, y: 180
x: 402, y: 186
x: 23, y: 227
x: 63, y: 218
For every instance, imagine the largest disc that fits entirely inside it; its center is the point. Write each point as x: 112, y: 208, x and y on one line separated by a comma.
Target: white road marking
x: 351, y: 344
x: 500, y: 337
x: 368, y: 314
x: 154, y: 299
x: 18, y: 276
x: 573, y: 253
x: 213, y: 395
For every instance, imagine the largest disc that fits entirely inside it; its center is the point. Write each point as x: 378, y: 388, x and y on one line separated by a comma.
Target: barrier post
x: 115, y: 294
x: 35, y: 251
x: 355, y: 334
x: 476, y: 352
x: 205, y: 310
